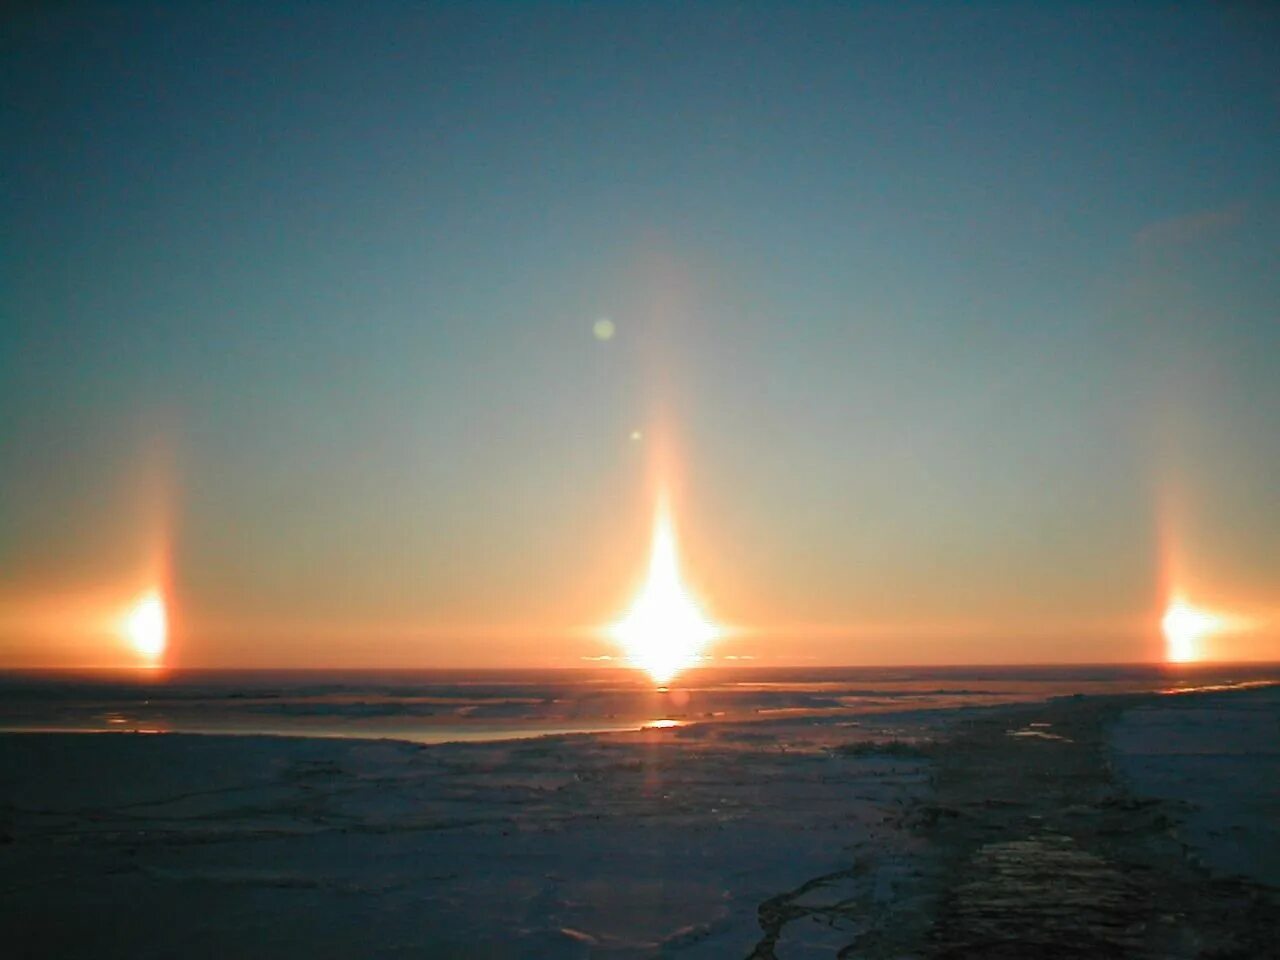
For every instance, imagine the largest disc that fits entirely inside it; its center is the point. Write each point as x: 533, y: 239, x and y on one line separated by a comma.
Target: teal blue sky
x: 957, y: 327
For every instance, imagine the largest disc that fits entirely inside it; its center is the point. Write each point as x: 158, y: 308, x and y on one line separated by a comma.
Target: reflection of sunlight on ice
x: 1216, y: 687
x: 662, y: 724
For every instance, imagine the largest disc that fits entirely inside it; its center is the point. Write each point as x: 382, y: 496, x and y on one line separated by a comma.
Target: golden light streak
x: 1192, y: 633
x: 146, y: 627
x: 665, y: 631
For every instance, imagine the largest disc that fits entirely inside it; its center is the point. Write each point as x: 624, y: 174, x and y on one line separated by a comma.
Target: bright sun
x: 1184, y: 628
x: 664, y: 632
x: 147, y: 626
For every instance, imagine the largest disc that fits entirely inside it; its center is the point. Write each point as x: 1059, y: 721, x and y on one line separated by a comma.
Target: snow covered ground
x: 890, y: 835
x: 695, y: 842
x: 1218, y: 757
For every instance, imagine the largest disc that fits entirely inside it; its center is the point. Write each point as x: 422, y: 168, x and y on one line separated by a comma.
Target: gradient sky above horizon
x: 954, y: 332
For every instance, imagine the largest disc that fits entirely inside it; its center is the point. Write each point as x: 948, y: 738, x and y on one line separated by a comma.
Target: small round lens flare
x: 146, y: 626
x: 665, y: 631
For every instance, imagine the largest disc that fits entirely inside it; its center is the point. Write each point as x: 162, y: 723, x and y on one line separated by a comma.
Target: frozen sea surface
x: 1218, y: 758
x: 441, y: 706
x: 765, y: 816
x: 664, y: 841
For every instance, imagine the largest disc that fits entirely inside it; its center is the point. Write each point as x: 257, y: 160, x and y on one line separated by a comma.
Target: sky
x: 950, y: 332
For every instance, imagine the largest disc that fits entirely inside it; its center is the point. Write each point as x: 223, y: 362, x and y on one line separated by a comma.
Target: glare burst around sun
x: 665, y: 631
x: 1185, y: 627
x: 146, y: 626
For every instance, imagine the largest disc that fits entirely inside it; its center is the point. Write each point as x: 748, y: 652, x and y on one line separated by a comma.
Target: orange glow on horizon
x: 665, y: 631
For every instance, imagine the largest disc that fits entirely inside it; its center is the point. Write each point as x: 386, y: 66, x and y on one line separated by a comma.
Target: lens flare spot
x: 146, y: 626
x: 665, y: 631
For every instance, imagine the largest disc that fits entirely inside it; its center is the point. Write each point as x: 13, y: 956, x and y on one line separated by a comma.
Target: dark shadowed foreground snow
x: 622, y: 845
x: 1083, y: 827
